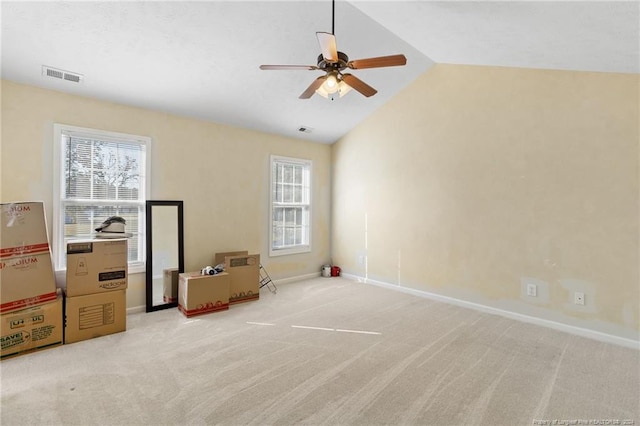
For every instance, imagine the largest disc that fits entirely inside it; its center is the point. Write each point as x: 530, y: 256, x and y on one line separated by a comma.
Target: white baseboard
x: 296, y: 278
x: 136, y: 309
x: 579, y: 331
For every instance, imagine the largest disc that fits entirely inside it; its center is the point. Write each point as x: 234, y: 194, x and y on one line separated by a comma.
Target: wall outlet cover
x: 532, y: 290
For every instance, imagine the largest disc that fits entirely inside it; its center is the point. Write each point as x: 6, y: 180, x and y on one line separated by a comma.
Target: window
x: 290, y: 206
x: 99, y: 174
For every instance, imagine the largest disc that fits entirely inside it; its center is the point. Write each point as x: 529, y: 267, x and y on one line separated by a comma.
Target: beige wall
x: 476, y: 181
x: 220, y: 172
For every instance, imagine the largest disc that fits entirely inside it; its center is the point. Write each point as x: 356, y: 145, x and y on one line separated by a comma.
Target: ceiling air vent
x: 61, y: 74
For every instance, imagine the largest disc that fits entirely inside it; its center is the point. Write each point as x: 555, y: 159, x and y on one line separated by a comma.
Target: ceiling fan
x: 333, y: 63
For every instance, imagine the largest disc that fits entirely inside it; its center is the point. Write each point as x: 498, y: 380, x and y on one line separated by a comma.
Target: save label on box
x: 31, y: 329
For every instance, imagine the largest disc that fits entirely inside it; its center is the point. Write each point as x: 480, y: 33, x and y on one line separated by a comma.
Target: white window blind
x: 100, y: 174
x: 290, y: 206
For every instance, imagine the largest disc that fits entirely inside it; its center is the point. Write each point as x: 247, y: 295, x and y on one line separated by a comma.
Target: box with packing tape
x: 23, y: 229
x: 31, y: 329
x: 95, y: 266
x: 244, y: 277
x: 26, y: 272
x: 170, y: 285
x: 95, y: 315
x: 201, y: 294
x: 26, y: 281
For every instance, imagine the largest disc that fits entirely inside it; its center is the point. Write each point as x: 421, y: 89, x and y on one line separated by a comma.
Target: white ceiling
x: 200, y: 59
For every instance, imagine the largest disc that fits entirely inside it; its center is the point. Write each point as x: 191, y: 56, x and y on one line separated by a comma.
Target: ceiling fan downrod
x: 333, y: 17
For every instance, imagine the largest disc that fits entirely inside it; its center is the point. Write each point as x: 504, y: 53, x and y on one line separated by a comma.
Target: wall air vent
x: 61, y: 74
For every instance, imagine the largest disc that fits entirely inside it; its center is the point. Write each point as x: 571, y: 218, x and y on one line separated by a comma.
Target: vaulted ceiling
x: 201, y: 59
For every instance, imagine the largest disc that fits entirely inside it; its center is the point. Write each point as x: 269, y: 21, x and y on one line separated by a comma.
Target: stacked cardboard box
x: 97, y: 279
x: 31, y: 329
x: 30, y: 310
x: 26, y: 273
x: 244, y: 275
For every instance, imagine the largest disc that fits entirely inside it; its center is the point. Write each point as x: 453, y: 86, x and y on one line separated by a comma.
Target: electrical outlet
x: 578, y: 298
x: 532, y: 290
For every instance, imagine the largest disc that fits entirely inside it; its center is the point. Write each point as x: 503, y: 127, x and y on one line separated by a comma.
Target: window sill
x: 137, y: 269
x: 289, y: 251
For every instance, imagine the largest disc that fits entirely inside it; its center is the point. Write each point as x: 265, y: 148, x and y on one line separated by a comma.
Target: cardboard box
x: 95, y: 266
x: 244, y: 275
x: 219, y: 258
x: 95, y: 315
x: 31, y: 329
x: 23, y: 229
x: 202, y: 294
x: 26, y: 271
x: 26, y: 281
x: 170, y: 285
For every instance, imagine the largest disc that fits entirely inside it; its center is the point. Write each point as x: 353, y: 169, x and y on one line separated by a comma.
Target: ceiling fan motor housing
x: 341, y: 64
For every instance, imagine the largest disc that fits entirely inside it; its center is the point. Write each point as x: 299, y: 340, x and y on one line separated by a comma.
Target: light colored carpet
x: 372, y: 357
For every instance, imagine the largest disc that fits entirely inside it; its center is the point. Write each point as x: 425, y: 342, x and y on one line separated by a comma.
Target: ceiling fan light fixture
x: 342, y: 89
x: 334, y: 83
x: 331, y: 84
x: 322, y: 92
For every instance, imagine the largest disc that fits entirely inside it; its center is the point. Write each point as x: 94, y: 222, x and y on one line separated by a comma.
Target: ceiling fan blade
x: 328, y: 46
x: 288, y: 67
x: 359, y: 85
x: 381, y: 61
x: 313, y: 87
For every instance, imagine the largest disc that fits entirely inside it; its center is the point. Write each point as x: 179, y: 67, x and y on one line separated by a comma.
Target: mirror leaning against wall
x: 165, y: 253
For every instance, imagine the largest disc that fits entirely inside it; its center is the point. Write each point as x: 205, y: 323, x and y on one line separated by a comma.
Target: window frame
x: 60, y: 130
x: 301, y: 248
